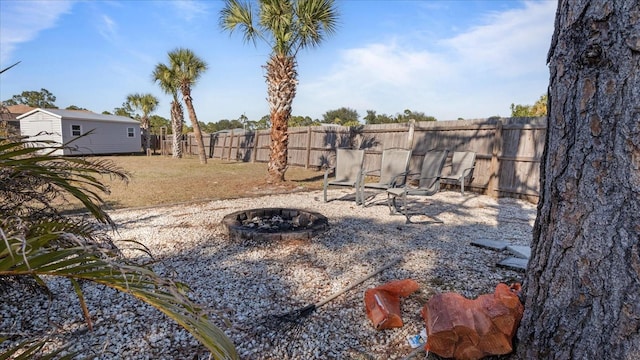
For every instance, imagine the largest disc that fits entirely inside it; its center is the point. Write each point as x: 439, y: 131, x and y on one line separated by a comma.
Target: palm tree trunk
x: 186, y: 96
x: 144, y: 125
x: 177, y: 119
x: 281, y: 89
x: 279, y: 144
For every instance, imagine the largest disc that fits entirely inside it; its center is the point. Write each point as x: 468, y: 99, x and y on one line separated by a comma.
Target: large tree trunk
x: 186, y: 96
x: 177, y: 120
x: 281, y: 89
x: 582, y: 288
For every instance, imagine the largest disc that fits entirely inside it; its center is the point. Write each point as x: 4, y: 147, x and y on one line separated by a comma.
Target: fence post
x: 306, y: 163
x: 230, y: 145
x: 254, y: 153
x: 213, y: 137
x: 223, y: 145
x: 494, y: 170
x: 412, y: 129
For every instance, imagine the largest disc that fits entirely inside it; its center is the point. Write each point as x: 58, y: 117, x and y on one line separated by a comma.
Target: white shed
x: 111, y: 134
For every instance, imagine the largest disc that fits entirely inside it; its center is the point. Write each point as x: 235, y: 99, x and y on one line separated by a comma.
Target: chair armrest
x: 413, y: 176
x: 327, y: 171
x: 408, y: 176
x: 467, y: 171
x: 403, y: 175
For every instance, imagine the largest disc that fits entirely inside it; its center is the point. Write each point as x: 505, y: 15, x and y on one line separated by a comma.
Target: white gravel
x: 243, y: 283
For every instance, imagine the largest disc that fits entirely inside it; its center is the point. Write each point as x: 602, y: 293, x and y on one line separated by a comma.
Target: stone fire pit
x: 274, y: 224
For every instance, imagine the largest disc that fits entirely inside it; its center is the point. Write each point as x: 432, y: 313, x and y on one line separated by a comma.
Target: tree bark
x: 278, y: 157
x: 146, y: 137
x: 281, y: 90
x: 177, y: 119
x: 582, y: 286
x: 202, y: 155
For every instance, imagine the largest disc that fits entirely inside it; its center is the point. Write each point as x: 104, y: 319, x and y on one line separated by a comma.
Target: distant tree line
x: 130, y: 108
x: 343, y: 116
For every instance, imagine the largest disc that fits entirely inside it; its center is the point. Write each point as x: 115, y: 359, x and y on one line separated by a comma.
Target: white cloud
x: 511, y: 43
x: 21, y: 21
x: 399, y: 65
x: 377, y: 74
x: 478, y: 73
x: 108, y: 28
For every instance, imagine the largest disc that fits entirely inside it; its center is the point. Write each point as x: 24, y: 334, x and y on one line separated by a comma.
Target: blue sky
x: 449, y: 59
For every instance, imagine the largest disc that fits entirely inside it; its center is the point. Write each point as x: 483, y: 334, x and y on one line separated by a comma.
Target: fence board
x: 508, y: 150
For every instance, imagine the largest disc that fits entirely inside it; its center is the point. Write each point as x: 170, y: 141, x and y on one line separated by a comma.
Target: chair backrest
x: 462, y: 160
x: 394, y: 163
x: 432, y: 169
x: 348, y: 164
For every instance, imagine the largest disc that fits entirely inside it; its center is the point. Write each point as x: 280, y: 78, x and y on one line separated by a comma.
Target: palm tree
x: 38, y: 241
x: 164, y: 76
x: 146, y: 103
x: 186, y: 68
x: 286, y: 26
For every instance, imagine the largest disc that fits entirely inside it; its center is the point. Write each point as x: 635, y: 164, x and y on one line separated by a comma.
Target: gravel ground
x: 243, y: 283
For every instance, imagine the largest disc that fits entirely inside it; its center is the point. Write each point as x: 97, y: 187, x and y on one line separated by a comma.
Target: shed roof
x: 19, y: 109
x: 81, y: 115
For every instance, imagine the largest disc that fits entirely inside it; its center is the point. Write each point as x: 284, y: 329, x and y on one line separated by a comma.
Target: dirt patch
x: 162, y: 180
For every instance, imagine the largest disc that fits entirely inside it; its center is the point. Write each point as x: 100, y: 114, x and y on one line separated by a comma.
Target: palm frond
x: 187, y: 67
x: 36, y: 240
x: 22, y: 255
x: 33, y: 163
x: 236, y: 14
x: 31, y: 349
x: 277, y: 19
x: 316, y: 19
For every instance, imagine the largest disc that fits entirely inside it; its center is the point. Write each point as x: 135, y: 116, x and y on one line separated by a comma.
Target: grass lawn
x: 157, y: 180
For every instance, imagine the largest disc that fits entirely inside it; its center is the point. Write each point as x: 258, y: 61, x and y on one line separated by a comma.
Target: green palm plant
x: 186, y: 68
x: 146, y: 103
x: 164, y: 76
x: 36, y: 240
x: 286, y: 26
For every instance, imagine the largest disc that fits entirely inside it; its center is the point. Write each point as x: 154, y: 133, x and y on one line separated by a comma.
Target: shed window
x: 130, y: 132
x: 76, y: 130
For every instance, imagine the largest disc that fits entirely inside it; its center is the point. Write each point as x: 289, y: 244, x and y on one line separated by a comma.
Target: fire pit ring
x: 274, y: 224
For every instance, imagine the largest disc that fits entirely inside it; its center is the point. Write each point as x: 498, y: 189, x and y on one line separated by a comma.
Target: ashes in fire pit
x: 273, y: 224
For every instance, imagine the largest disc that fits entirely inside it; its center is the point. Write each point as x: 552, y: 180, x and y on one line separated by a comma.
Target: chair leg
x: 405, y: 208
x: 325, y: 184
x: 462, y: 186
x: 391, y: 200
x: 359, y: 192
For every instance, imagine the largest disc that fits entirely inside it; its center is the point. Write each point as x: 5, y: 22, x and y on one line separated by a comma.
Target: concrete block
x: 520, y: 251
x: 514, y: 263
x: 498, y: 245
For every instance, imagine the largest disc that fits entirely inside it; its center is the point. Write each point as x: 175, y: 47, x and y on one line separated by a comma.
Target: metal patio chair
x: 462, y: 165
x: 428, y: 182
x: 392, y: 172
x: 348, y: 169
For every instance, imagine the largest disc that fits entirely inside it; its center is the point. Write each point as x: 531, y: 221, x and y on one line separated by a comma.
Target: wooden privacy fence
x: 508, y: 150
